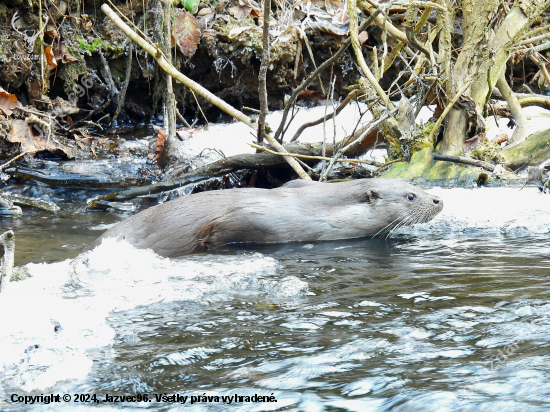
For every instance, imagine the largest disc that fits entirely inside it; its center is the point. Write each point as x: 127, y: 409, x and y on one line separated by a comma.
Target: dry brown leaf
x: 204, y: 20
x: 332, y: 6
x: 161, y: 138
x: 8, y: 102
x: 240, y: 12
x: 51, y: 32
x: 256, y: 10
x: 34, y: 89
x: 311, y: 94
x: 34, y: 139
x: 501, y: 138
x: 39, y: 140
x: 242, y: 8
x: 86, y: 23
x: 18, y: 132
x: 187, y: 33
x: 61, y: 107
x: 363, y: 37
x: 50, y: 58
x: 63, y: 55
x: 340, y: 17
x: 473, y: 143
x: 83, y: 141
x: 204, y: 12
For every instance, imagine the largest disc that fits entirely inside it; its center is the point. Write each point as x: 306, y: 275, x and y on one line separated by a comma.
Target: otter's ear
x: 370, y: 196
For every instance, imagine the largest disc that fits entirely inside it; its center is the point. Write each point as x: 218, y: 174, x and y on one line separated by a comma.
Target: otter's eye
x: 411, y: 196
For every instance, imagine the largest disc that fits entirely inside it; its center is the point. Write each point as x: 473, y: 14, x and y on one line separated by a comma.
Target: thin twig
x: 388, y: 163
x: 20, y: 155
x: 321, y: 158
x: 262, y: 77
x: 464, y: 160
x: 354, y: 33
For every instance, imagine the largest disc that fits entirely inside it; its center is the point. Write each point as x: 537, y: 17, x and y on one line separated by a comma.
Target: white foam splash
x: 51, y: 319
x: 512, y: 211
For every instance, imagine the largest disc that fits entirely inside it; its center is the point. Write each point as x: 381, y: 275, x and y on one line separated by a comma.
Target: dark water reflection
x: 437, y: 322
x: 48, y: 237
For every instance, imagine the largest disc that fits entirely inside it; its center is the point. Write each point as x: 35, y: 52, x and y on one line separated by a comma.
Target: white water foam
x: 51, y: 319
x: 512, y: 211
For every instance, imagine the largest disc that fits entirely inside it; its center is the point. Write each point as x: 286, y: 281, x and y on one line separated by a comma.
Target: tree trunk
x: 480, y: 64
x: 170, y: 97
x: 476, y: 32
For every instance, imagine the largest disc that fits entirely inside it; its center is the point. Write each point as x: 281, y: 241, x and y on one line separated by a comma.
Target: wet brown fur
x: 299, y: 211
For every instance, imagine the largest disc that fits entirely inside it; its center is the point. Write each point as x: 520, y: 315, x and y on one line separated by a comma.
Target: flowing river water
x: 452, y: 315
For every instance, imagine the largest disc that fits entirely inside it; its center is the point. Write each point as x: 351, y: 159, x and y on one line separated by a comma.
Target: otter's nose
x: 437, y: 201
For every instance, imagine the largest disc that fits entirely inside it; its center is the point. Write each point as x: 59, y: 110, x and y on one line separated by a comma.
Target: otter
x: 300, y: 211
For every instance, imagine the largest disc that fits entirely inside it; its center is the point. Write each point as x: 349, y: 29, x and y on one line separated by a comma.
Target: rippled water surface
x: 453, y: 315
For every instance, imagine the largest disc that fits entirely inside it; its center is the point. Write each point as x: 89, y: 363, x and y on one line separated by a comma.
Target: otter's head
x: 399, y: 203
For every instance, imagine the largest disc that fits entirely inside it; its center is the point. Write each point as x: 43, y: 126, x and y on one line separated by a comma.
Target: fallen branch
x: 354, y: 33
x: 388, y: 164
x: 397, y: 49
x: 373, y: 125
x: 163, y: 62
x: 538, y: 101
x: 221, y: 167
x: 447, y: 109
x: 122, y: 96
x: 73, y: 180
x: 394, y: 31
x: 20, y: 155
x: 265, y: 149
x: 520, y: 133
x: 465, y: 161
x: 535, y: 150
x: 537, y: 59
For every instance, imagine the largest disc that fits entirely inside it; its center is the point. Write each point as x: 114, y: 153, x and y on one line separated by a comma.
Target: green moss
x: 422, y: 168
x: 84, y: 45
x: 483, y: 178
x: 421, y: 138
x: 489, y: 152
x: 70, y: 73
x: 95, y: 45
x: 417, y: 166
x: 531, y: 152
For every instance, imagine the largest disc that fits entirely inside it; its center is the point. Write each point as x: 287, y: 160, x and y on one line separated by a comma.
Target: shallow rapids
x: 449, y: 315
